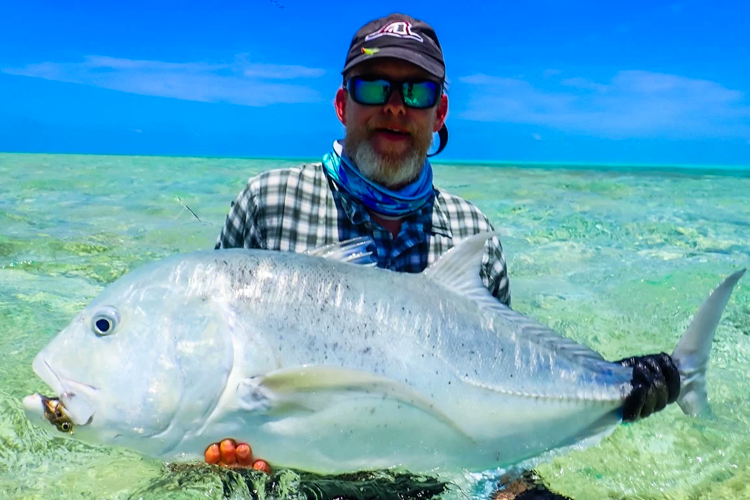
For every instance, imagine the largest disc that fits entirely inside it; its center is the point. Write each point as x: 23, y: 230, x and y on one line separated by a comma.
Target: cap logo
x: 401, y: 29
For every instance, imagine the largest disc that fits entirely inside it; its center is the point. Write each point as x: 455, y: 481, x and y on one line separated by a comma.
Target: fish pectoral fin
x: 297, y: 384
x: 252, y: 396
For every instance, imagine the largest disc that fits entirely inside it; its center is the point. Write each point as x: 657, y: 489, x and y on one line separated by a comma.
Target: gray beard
x: 386, y: 171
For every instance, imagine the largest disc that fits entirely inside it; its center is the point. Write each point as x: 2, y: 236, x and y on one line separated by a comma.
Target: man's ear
x: 340, y: 104
x: 442, y: 113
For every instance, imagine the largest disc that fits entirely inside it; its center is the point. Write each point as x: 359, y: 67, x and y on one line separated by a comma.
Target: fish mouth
x: 52, y: 409
x: 75, y: 401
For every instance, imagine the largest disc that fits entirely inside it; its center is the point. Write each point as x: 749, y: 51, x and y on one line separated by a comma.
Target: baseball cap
x: 397, y: 36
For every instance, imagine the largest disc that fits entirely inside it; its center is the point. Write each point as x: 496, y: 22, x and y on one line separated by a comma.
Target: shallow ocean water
x: 617, y: 259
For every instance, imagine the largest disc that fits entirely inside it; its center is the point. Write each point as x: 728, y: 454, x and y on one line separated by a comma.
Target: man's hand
x: 230, y: 454
x: 656, y: 383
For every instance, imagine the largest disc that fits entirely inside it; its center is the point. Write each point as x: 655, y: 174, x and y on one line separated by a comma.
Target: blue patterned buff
x: 378, y: 198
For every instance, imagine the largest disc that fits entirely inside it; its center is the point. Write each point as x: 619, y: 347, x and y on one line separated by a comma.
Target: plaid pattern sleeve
x: 297, y: 209
x: 257, y: 206
x: 238, y: 222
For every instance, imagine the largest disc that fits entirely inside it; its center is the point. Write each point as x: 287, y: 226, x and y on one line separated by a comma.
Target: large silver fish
x: 329, y: 366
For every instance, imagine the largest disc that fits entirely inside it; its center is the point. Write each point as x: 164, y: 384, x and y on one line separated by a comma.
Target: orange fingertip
x: 262, y: 466
x: 244, y: 455
x: 228, y: 452
x: 212, y: 454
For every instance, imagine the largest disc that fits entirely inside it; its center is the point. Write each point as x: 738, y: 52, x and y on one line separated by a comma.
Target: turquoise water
x: 619, y: 260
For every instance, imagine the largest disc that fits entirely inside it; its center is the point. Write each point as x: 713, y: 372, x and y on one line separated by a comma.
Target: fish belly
x: 368, y: 433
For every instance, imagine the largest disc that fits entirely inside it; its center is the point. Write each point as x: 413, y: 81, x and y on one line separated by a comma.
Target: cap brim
x: 427, y: 63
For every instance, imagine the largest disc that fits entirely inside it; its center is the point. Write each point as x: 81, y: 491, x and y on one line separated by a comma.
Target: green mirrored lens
x: 372, y: 92
x: 419, y: 95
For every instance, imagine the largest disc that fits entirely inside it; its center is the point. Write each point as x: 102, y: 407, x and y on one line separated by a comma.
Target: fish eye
x: 65, y: 426
x: 105, y: 321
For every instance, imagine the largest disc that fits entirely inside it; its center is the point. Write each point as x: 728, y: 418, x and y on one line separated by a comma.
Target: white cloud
x: 239, y: 82
x: 584, y: 84
x: 536, y: 137
x: 630, y: 104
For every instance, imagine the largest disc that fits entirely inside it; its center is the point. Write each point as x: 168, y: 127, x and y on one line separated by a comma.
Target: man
x: 377, y: 182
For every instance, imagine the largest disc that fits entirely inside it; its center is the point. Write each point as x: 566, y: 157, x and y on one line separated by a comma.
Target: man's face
x: 389, y: 142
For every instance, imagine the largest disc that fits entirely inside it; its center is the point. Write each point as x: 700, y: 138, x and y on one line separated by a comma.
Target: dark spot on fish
x: 366, y: 350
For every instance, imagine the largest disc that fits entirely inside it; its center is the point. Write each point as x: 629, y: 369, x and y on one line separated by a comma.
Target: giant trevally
x: 326, y: 365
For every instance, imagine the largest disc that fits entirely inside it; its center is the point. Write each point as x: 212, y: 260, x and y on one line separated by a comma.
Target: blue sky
x: 638, y: 82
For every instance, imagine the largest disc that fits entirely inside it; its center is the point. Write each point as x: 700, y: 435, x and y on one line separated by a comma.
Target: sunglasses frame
x: 394, y: 85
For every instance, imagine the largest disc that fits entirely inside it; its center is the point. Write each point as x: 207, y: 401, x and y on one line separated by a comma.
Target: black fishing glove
x: 656, y: 383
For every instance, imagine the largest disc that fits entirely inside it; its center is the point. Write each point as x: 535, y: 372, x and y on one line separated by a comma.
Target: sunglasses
x: 374, y: 91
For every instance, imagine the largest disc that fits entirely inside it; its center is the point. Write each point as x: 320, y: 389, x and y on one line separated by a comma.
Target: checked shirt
x: 301, y: 208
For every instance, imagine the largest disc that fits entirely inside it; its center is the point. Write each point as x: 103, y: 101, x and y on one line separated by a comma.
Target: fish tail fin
x: 692, y: 352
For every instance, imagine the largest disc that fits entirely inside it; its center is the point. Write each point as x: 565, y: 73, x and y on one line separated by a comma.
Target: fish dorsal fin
x: 458, y: 268
x: 353, y: 251
x: 458, y: 271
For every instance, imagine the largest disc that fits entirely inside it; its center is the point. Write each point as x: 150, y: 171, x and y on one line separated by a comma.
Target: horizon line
x: 439, y: 161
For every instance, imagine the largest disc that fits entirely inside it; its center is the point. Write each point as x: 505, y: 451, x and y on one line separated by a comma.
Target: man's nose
x: 395, y: 104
